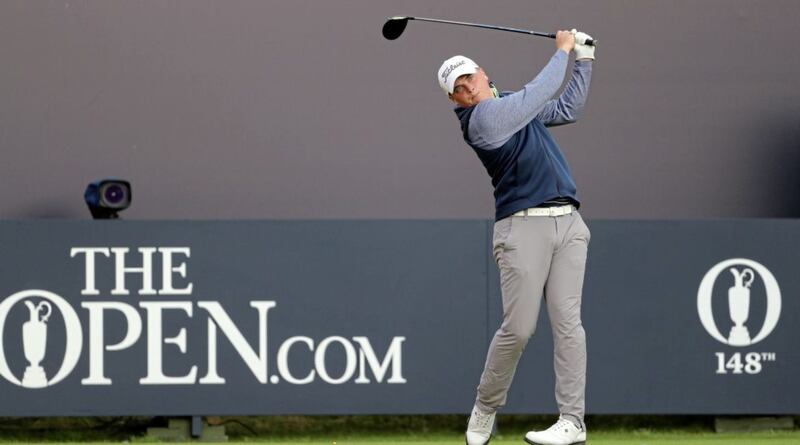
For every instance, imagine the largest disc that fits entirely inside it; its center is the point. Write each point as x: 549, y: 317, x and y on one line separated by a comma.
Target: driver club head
x: 394, y: 27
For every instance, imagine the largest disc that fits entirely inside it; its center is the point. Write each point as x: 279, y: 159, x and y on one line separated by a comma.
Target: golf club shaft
x: 499, y: 28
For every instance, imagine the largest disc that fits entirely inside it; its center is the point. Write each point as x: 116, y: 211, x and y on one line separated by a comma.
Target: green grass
x: 600, y: 438
x: 384, y: 430
x: 641, y: 437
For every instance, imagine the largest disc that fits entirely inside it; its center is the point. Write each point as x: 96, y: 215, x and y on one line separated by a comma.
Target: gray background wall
x: 267, y: 109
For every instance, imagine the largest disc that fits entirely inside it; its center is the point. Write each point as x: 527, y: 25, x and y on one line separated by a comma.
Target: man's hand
x: 582, y: 51
x: 565, y: 41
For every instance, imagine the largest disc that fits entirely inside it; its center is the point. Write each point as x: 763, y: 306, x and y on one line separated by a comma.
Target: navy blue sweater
x: 510, y: 137
x: 526, y: 171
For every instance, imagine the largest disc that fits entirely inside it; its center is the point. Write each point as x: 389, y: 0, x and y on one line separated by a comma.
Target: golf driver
x: 395, y: 26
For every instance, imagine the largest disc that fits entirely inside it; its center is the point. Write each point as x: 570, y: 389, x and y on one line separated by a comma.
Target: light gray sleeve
x: 494, y: 121
x: 567, y: 107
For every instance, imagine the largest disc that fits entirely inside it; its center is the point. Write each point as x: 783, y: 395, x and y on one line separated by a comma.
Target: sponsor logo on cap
x: 447, y: 71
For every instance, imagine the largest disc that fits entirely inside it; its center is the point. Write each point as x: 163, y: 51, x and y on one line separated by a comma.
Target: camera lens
x: 114, y: 195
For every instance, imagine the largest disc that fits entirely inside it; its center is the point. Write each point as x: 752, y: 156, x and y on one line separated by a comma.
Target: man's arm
x: 567, y: 107
x: 494, y: 121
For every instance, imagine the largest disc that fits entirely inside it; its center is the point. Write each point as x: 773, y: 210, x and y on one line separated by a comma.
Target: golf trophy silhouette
x: 34, y: 342
x: 739, y: 306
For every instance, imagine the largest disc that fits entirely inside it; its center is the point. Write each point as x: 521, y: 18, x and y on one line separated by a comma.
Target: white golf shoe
x: 479, y: 429
x: 562, y: 432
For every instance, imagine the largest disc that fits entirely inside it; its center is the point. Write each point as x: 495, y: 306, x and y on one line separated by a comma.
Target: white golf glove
x: 582, y: 51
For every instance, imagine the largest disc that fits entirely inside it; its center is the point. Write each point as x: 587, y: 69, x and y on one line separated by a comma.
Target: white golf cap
x: 452, y: 68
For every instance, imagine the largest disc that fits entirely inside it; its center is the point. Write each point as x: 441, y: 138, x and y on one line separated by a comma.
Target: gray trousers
x: 539, y: 256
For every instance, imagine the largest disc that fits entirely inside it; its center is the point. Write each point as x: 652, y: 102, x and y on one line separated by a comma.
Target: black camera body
x: 107, y: 197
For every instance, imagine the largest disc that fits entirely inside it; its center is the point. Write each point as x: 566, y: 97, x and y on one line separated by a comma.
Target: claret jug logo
x: 740, y: 273
x: 742, y: 281
x: 24, y: 333
x: 34, y: 337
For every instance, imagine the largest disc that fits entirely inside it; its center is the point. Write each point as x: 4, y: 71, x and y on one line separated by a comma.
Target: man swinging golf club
x: 540, y: 241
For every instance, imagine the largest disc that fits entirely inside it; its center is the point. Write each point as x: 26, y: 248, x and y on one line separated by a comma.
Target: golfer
x: 540, y: 241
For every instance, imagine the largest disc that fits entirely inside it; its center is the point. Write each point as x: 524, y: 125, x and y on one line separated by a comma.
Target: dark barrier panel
x: 358, y: 317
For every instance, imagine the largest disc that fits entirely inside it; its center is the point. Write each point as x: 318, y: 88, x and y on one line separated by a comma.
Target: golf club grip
x: 589, y: 42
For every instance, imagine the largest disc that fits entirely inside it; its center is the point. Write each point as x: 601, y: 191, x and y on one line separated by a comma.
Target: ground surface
x: 599, y: 438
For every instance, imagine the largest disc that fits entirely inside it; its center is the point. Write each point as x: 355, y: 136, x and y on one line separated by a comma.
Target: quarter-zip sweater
x: 510, y: 137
